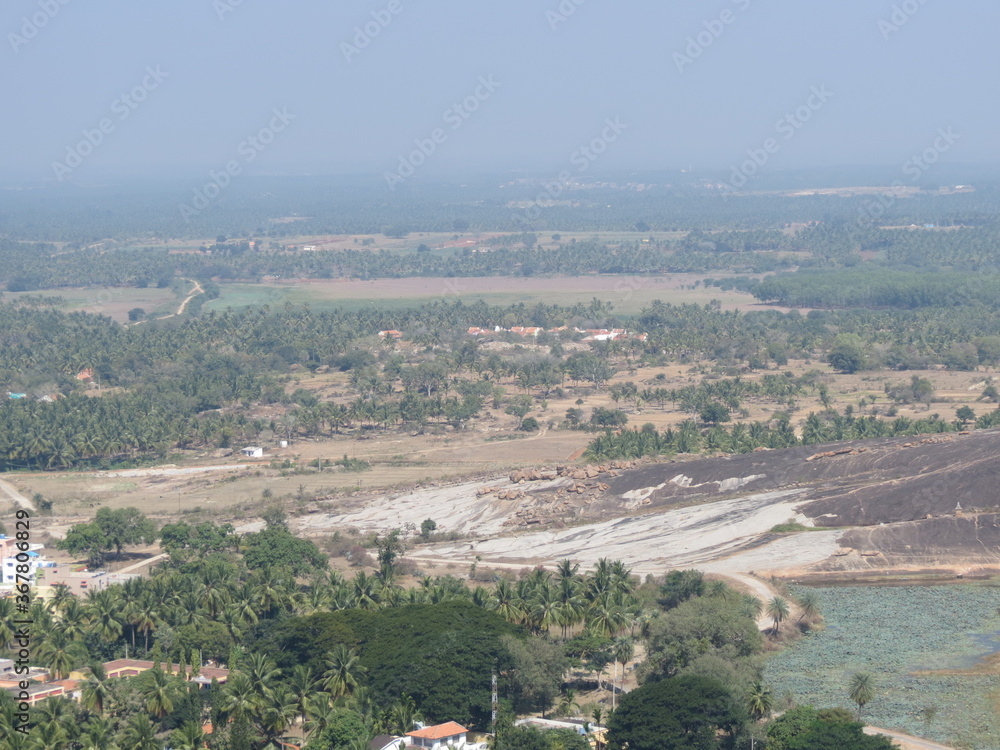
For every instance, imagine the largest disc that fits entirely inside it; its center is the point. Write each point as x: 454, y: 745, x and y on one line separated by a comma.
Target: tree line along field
x: 627, y: 296
x: 901, y: 635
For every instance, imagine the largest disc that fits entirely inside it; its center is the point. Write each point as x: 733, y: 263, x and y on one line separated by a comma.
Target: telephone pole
x: 495, y: 703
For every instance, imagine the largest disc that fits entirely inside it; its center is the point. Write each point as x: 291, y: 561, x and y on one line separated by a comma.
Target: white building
x: 253, y: 451
x: 9, y: 562
x: 440, y: 737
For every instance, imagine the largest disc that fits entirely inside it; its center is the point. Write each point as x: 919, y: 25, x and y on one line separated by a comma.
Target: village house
x: 440, y: 737
x: 253, y: 451
x: 133, y: 667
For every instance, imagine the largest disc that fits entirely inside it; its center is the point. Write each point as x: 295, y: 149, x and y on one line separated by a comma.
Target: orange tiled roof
x: 439, y: 732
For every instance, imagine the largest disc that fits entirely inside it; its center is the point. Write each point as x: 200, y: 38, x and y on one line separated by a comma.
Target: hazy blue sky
x: 230, y: 64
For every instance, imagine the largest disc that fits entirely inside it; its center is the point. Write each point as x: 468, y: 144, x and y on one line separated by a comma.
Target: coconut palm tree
x: 623, y: 651
x: 277, y: 712
x: 777, y: 610
x: 319, y: 713
x: 140, y: 734
x: 104, y: 614
x: 343, y: 669
x: 144, y: 616
x: 751, y: 606
x: 760, y: 701
x: 809, y: 602
x: 99, y: 734
x: 48, y: 736
x: 302, y: 683
x: 160, y: 693
x: 240, y: 698
x: 95, y: 693
x: 606, y: 617
x: 188, y: 737
x: 567, y: 705
x: 59, y: 653
x: 404, y: 716
x: 861, y: 690
x: 505, y: 602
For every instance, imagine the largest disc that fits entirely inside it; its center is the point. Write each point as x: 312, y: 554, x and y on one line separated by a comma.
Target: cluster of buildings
x: 592, y: 334
x: 41, y: 686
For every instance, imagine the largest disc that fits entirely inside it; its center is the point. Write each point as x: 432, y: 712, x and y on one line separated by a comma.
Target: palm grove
x: 317, y: 653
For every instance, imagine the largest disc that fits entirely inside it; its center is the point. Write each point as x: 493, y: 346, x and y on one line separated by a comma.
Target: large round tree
x: 681, y: 713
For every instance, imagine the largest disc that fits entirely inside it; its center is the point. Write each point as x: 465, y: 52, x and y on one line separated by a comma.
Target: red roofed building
x: 133, y: 667
x: 526, y: 331
x: 439, y: 737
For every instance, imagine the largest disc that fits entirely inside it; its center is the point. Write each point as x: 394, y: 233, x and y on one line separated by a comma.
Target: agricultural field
x: 924, y: 645
x: 115, y: 302
x: 628, y: 294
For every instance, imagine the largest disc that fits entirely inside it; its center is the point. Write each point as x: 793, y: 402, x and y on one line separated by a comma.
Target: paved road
x: 10, y: 491
x: 142, y: 563
x: 909, y: 742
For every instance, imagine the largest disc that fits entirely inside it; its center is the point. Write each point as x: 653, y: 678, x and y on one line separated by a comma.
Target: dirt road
x: 195, y: 291
x: 198, y: 289
x: 907, y: 741
x: 10, y: 491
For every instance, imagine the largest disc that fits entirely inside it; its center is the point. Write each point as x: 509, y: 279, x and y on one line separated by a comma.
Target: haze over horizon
x: 128, y: 89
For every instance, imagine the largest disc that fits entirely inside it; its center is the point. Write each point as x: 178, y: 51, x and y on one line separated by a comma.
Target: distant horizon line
x: 456, y: 177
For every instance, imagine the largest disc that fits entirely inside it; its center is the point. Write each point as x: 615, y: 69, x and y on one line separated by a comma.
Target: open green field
x: 628, y: 294
x: 114, y: 302
x: 899, y: 634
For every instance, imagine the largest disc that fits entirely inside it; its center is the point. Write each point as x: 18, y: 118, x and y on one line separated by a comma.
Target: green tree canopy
x: 276, y: 547
x: 110, y: 529
x: 681, y: 713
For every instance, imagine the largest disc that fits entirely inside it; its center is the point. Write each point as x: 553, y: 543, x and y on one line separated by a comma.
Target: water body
x: 894, y: 633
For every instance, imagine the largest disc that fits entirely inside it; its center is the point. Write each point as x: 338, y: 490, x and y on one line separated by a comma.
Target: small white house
x: 9, y: 562
x: 439, y: 737
x: 253, y: 451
